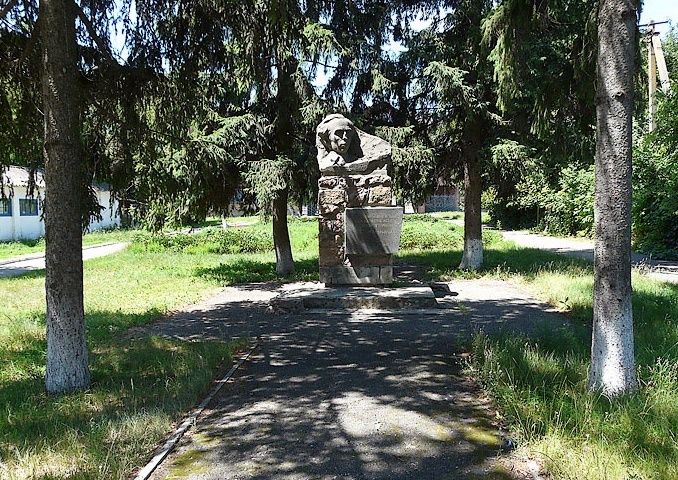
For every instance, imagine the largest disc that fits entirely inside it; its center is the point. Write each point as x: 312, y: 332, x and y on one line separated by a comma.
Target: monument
x: 359, y: 230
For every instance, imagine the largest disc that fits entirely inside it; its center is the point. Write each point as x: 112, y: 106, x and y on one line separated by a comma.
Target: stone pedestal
x: 298, y: 297
x: 359, y: 230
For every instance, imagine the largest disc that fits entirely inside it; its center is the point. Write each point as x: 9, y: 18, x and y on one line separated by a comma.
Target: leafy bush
x: 233, y: 240
x: 655, y: 184
x: 420, y: 217
x: 569, y: 210
x: 564, y: 210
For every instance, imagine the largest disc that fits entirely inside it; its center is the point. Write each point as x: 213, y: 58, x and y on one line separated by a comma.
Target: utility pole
x: 655, y: 63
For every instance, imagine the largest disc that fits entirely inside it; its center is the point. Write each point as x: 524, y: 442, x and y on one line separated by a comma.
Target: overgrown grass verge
x: 139, y: 387
x: 540, y: 383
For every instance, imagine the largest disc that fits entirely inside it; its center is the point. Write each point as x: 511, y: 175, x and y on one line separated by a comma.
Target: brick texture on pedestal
x: 336, y: 193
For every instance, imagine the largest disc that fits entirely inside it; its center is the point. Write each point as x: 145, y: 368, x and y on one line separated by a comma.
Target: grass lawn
x: 540, y: 383
x: 139, y: 387
x: 23, y: 247
x: 459, y: 215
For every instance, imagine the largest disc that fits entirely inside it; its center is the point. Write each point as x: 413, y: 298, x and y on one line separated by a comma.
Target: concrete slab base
x: 312, y: 295
x: 362, y: 275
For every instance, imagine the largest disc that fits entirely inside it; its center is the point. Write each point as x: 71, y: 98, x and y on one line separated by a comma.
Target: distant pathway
x: 666, y: 271
x: 12, y: 267
x: 351, y: 395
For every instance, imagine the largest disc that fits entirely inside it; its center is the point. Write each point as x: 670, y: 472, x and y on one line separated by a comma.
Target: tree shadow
x: 341, y: 394
x: 138, y: 386
x: 245, y: 270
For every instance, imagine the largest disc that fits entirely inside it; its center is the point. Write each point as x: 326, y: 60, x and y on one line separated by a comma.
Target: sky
x: 660, y: 10
x: 653, y: 10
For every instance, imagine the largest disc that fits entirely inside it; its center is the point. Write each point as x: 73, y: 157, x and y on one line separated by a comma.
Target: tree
x: 612, y: 351
x: 655, y: 176
x: 443, y: 90
x: 67, y: 358
x: 543, y: 53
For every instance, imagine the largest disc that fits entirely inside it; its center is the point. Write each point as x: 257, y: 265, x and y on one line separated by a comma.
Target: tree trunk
x: 67, y: 362
x: 612, y: 364
x: 472, y: 258
x: 284, y: 263
x: 286, y: 102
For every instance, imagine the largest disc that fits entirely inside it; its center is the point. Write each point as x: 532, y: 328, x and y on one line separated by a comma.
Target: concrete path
x: 352, y: 395
x: 27, y: 263
x: 666, y: 271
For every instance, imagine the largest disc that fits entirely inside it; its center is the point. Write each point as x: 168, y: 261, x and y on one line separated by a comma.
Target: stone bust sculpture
x: 343, y: 149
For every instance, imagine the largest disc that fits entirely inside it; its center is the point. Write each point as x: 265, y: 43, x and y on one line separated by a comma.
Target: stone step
x: 300, y: 297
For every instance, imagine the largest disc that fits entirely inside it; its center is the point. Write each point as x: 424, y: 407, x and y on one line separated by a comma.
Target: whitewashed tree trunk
x: 472, y: 258
x: 67, y: 359
x: 612, y: 369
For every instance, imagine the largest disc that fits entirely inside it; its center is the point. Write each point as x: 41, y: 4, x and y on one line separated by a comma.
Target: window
x: 28, y: 207
x: 5, y: 207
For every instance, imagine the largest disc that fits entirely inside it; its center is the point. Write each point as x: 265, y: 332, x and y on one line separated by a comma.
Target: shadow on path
x: 351, y: 395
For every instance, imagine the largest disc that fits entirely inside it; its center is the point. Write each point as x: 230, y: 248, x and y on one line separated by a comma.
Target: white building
x: 21, y: 212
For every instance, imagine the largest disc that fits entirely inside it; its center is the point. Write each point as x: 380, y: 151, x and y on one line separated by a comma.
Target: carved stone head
x: 337, y: 133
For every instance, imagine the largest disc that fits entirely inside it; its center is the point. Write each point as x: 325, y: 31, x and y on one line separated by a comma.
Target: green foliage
x: 567, y: 209
x: 541, y: 383
x: 655, y: 184
x: 524, y: 192
x: 543, y: 56
x: 266, y: 178
x: 421, y: 218
x: 210, y: 240
x: 414, y: 164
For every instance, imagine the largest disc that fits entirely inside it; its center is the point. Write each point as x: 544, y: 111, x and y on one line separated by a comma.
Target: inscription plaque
x: 373, y: 230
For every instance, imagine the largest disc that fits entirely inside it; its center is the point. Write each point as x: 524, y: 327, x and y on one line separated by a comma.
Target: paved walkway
x: 666, y: 271
x: 12, y: 267
x: 351, y: 395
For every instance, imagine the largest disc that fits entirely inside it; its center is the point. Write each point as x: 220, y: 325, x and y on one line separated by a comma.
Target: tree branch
x: 5, y: 10
x: 92, y: 32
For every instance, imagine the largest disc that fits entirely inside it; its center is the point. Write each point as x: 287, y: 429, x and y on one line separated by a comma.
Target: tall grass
x: 540, y: 383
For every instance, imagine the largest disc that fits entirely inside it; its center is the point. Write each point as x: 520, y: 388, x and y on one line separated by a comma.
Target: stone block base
x: 349, y: 275
x: 296, y: 298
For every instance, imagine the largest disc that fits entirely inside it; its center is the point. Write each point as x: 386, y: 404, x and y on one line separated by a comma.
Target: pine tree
x: 67, y: 359
x: 441, y: 89
x: 612, y: 352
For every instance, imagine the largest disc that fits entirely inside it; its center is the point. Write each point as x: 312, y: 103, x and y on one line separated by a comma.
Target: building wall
x: 6, y: 229
x: 18, y: 227
x: 109, y: 214
x: 27, y: 227
x: 445, y: 199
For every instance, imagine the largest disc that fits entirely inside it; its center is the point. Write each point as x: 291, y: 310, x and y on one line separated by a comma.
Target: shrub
x: 232, y: 240
x: 655, y: 184
x: 569, y: 210
x: 419, y: 217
